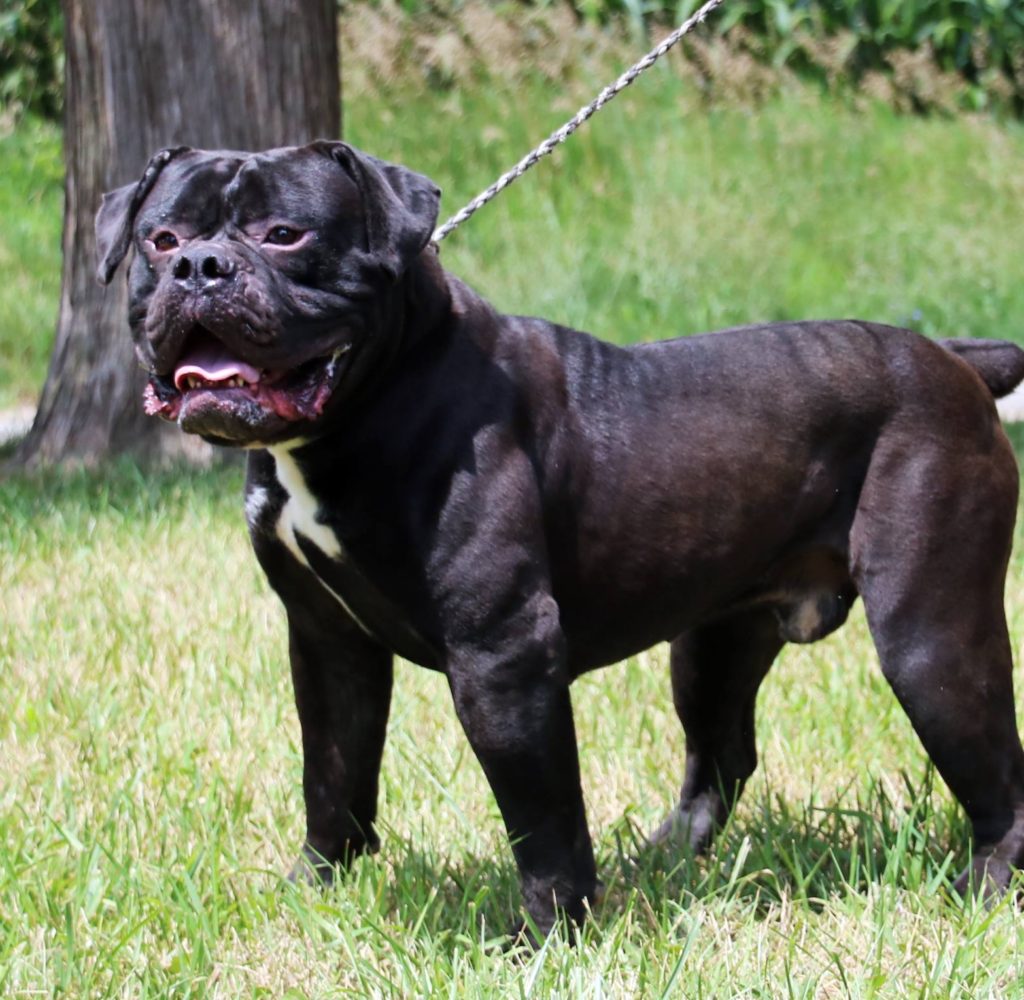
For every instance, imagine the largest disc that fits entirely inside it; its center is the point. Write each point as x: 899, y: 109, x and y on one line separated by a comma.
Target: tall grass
x: 661, y: 217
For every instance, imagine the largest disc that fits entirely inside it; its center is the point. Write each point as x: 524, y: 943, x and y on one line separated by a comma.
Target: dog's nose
x: 202, y: 265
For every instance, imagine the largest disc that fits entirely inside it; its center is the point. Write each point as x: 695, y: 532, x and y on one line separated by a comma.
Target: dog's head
x: 258, y: 279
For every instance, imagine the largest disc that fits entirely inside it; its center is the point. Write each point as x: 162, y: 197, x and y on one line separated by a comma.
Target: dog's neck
x: 427, y: 299
x: 416, y: 312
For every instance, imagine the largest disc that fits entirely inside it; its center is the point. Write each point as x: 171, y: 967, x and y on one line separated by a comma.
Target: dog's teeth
x: 334, y: 359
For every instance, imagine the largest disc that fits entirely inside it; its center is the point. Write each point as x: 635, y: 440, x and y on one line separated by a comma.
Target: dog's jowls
x: 514, y: 503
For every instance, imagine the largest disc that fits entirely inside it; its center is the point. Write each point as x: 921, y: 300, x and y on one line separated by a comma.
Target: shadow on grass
x: 809, y: 852
x: 808, y: 855
x: 123, y: 487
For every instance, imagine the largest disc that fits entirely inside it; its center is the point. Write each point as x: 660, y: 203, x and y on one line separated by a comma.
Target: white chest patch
x: 299, y: 514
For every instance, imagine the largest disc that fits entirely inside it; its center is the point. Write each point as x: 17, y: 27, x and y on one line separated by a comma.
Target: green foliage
x: 981, y: 40
x: 31, y: 56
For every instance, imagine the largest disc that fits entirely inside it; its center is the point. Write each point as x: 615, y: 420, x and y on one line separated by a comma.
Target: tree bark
x: 139, y: 76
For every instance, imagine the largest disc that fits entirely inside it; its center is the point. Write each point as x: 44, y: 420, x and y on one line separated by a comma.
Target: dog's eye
x: 282, y: 236
x: 165, y: 241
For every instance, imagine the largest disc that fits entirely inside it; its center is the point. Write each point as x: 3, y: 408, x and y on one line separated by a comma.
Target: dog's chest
x: 299, y: 524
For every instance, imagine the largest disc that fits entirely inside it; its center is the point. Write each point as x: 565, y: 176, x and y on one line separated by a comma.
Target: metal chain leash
x: 559, y: 136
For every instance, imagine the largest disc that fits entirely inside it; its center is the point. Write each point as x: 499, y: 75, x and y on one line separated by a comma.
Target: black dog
x: 514, y: 503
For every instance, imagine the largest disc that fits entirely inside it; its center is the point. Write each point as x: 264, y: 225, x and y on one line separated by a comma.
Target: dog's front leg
x: 342, y: 684
x: 512, y: 697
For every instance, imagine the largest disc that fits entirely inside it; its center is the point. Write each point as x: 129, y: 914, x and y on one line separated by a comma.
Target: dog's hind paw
x: 986, y: 878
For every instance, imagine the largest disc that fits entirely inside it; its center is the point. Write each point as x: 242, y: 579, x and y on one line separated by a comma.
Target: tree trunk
x: 139, y: 76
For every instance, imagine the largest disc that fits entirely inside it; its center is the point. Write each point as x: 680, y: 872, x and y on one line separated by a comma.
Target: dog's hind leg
x: 929, y: 548
x: 716, y: 672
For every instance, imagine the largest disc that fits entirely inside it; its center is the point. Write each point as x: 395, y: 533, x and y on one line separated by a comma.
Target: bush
x: 885, y: 45
x: 32, y: 57
x: 980, y: 40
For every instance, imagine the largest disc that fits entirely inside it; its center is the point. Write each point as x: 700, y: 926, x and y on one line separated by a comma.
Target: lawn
x: 151, y: 799
x: 151, y: 792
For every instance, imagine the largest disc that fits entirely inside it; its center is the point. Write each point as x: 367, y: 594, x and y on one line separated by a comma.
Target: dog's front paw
x: 312, y: 868
x: 546, y: 916
x: 324, y: 865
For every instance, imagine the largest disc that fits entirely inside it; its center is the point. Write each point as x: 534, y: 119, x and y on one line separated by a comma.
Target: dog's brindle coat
x: 514, y: 503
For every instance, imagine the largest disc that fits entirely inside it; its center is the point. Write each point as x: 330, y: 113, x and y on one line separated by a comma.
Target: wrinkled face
x: 258, y: 279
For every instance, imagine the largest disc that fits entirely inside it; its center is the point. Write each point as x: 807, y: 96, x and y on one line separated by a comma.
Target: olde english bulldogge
x: 514, y: 503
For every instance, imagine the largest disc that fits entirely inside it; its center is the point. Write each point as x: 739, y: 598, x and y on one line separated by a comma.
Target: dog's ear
x: 399, y: 205
x: 117, y: 213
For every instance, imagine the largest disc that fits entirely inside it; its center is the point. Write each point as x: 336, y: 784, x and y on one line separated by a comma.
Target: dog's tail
x: 999, y: 363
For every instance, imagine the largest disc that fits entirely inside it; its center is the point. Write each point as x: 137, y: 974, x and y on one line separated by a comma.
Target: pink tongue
x: 212, y: 362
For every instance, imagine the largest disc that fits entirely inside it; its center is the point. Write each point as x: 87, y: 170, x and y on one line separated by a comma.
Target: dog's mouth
x: 213, y: 391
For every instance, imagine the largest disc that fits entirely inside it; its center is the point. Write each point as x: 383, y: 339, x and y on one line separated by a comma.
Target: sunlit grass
x: 151, y: 801
x: 660, y: 218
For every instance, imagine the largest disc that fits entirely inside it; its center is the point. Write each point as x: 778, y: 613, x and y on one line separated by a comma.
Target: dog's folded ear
x: 400, y: 206
x: 117, y: 212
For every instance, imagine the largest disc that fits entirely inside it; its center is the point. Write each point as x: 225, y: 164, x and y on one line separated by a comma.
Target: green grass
x: 31, y: 201
x: 659, y: 219
x: 151, y: 800
x: 151, y: 790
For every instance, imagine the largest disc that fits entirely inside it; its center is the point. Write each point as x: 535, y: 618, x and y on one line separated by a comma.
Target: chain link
x: 559, y: 136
